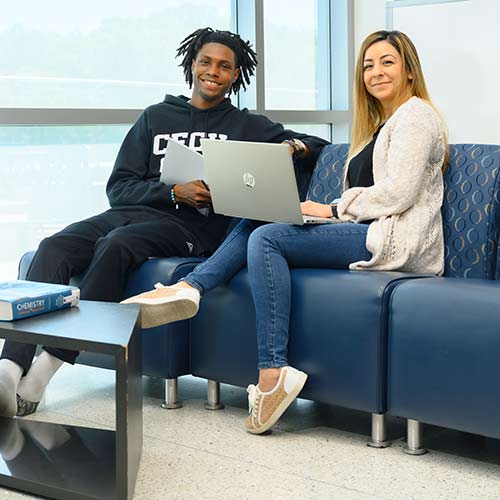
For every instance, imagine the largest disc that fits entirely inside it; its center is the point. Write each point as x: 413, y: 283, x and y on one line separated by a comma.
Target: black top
x: 135, y: 177
x: 360, y: 173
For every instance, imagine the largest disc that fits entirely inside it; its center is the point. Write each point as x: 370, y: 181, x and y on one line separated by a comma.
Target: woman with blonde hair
x: 388, y: 218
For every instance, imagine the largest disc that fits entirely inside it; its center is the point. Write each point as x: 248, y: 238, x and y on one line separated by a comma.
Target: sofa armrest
x: 165, y: 270
x: 24, y: 264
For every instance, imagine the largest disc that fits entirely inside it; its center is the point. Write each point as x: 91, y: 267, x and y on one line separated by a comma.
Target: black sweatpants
x: 107, y: 247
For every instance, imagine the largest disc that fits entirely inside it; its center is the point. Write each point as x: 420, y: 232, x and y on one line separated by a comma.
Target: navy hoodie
x: 135, y: 177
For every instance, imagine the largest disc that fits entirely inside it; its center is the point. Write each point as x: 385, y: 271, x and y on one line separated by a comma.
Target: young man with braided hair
x: 148, y: 218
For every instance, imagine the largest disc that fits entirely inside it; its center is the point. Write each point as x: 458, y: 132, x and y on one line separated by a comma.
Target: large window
x: 51, y: 176
x: 75, y: 76
x: 296, y: 54
x: 95, y: 54
x: 307, y: 51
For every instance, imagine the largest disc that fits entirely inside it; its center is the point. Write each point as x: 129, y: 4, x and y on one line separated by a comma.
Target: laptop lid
x: 181, y: 164
x: 252, y: 180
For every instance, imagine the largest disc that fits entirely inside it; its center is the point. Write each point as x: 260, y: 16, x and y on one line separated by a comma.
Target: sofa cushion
x: 24, y: 264
x: 444, y: 351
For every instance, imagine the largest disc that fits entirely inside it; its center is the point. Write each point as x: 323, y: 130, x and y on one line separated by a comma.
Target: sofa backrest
x: 471, y: 205
x: 471, y: 211
x: 326, y: 180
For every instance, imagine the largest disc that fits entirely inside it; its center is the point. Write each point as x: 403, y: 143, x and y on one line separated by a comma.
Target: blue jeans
x: 269, y: 251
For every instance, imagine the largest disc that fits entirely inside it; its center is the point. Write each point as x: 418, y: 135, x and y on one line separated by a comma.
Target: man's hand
x: 194, y: 193
x: 315, y: 209
x: 292, y: 151
x: 297, y: 147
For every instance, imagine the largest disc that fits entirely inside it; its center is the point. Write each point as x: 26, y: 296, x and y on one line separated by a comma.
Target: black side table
x: 62, y: 461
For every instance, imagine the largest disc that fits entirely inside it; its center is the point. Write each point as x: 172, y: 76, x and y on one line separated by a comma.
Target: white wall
x: 459, y: 46
x: 369, y: 16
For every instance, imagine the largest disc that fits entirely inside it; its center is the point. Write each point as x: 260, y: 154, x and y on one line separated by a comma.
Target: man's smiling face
x: 214, y: 71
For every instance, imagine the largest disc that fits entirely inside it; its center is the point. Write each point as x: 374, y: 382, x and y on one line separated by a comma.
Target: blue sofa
x: 370, y: 341
x: 444, y: 335
x: 345, y: 326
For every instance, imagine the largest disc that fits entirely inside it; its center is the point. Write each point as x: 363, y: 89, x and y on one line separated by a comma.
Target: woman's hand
x: 315, y: 209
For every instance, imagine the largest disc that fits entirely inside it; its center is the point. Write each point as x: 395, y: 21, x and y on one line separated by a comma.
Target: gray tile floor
x: 315, y: 452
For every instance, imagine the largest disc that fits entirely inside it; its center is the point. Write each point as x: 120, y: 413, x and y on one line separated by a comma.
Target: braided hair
x: 246, y: 58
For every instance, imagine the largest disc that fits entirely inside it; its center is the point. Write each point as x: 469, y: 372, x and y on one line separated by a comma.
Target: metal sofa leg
x: 213, y: 396
x: 379, y: 438
x: 414, y: 446
x: 171, y: 395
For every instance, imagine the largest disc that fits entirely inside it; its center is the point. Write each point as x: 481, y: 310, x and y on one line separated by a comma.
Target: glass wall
x: 51, y: 176
x: 94, y: 54
x: 74, y: 76
x: 296, y: 54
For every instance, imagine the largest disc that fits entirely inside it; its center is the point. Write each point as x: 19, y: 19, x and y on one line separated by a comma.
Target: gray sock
x: 10, y: 374
x: 32, y: 386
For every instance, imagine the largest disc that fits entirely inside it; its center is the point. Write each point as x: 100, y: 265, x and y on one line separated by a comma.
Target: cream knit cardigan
x: 406, y: 198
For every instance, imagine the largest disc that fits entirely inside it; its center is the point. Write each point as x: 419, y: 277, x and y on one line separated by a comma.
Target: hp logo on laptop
x: 249, y: 180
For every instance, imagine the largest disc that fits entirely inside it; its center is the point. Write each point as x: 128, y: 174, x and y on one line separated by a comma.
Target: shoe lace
x: 159, y: 285
x: 252, y: 396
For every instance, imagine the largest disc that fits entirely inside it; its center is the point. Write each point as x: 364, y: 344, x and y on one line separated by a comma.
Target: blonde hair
x: 368, y: 111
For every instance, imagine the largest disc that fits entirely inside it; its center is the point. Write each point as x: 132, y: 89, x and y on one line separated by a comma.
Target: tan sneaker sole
x: 282, y: 407
x: 161, y: 314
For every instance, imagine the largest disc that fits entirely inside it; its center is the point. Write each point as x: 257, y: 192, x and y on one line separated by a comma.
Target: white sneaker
x: 166, y: 304
x: 267, y: 407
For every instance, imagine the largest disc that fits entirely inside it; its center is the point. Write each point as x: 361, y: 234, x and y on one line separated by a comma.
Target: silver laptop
x: 254, y: 180
x: 181, y: 164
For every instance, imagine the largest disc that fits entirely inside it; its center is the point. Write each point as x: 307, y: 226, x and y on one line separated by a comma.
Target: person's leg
x: 10, y: 375
x: 69, y: 252
x: 60, y: 256
x: 139, y: 234
x: 227, y: 260
x: 272, y: 250
x: 180, y: 301
x: 124, y: 249
x: 32, y: 386
x: 57, y: 259
x: 125, y: 239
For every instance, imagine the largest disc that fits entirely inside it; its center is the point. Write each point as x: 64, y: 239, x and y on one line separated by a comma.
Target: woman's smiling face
x: 383, y: 74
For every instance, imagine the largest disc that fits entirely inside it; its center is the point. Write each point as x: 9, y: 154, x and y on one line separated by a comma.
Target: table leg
x: 128, y: 415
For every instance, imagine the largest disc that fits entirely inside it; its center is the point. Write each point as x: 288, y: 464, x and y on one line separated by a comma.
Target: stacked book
x: 21, y: 299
